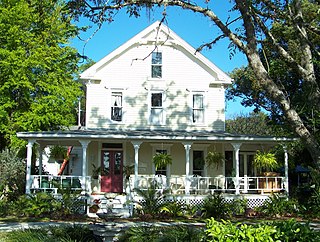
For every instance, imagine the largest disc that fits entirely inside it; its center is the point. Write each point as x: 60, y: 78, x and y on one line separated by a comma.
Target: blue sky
x: 193, y: 28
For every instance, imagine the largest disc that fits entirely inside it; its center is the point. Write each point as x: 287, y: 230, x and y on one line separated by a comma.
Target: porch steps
x: 112, y: 206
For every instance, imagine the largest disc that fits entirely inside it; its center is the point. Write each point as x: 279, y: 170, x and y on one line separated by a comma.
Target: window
x: 116, y: 106
x: 156, y: 65
x: 156, y: 114
x: 197, y: 108
x: 198, y: 162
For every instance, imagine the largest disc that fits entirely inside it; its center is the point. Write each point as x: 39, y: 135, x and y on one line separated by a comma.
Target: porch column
x: 236, y: 148
x: 28, y: 170
x: 41, y: 147
x: 84, y: 144
x: 136, y: 146
x: 286, y: 169
x: 187, y: 147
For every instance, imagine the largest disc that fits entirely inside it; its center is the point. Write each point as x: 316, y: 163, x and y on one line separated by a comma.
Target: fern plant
x: 161, y: 160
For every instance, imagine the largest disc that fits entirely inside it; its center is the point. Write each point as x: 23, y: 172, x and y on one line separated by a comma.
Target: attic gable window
x: 156, y: 65
x: 116, y: 106
x: 198, y: 108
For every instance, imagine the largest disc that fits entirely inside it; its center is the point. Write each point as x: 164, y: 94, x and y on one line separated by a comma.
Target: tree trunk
x: 291, y: 115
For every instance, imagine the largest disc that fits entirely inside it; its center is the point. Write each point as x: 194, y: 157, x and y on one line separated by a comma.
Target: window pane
x: 156, y: 72
x: 116, y: 106
x: 156, y: 58
x: 156, y: 99
x: 156, y: 65
x: 156, y: 115
x: 198, y: 116
x: 198, y: 101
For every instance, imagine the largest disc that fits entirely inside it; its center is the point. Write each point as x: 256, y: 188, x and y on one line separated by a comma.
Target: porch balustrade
x: 209, y: 185
x: 49, y: 183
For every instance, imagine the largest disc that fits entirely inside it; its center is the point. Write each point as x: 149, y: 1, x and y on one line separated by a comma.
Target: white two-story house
x: 155, y: 94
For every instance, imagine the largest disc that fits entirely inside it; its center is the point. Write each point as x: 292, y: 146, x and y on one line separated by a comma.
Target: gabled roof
x: 159, y: 33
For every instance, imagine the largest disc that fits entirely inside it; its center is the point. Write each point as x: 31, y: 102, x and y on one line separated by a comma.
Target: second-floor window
x: 198, y: 108
x: 116, y: 106
x: 156, y: 112
x: 156, y: 65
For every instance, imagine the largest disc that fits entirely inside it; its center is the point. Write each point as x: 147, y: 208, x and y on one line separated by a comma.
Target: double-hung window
x: 156, y: 112
x: 116, y: 106
x: 156, y: 65
x: 198, y: 108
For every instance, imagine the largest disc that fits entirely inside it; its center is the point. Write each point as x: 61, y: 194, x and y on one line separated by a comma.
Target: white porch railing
x: 49, y: 183
x: 207, y: 185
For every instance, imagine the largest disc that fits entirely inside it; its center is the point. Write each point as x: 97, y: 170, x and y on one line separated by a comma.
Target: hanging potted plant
x: 161, y: 160
x: 58, y: 153
x: 214, y: 158
x: 265, y: 161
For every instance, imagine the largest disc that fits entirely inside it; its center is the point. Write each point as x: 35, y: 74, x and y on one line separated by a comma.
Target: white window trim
x: 164, y: 115
x: 204, y: 108
x: 162, y: 66
x: 109, y: 104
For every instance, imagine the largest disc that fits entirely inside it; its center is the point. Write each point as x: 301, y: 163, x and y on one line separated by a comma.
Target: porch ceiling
x: 149, y: 135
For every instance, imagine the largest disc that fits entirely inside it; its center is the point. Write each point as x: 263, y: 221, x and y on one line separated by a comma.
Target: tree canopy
x: 249, y: 26
x: 37, y: 66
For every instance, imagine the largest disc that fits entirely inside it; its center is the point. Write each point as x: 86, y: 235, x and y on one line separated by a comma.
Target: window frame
x: 154, y: 107
x: 112, y: 106
x: 202, y: 109
x: 156, y: 65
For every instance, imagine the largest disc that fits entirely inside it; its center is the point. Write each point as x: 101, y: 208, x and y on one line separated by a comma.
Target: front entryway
x: 112, y: 167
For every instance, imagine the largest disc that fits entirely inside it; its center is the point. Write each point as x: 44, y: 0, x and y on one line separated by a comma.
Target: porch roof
x: 150, y: 135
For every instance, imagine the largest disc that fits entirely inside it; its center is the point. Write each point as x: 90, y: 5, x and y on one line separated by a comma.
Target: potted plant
x: 58, y: 152
x: 161, y: 160
x: 214, y: 158
x: 265, y: 161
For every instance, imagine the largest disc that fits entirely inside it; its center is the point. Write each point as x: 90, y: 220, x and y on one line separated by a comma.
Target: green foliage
x: 252, y: 123
x: 66, y: 233
x: 152, y: 200
x: 37, y: 90
x: 12, y: 175
x: 278, y: 205
x: 291, y: 230
x: 216, y: 206
x: 161, y: 160
x: 174, y: 209
x: 265, y: 161
x: 214, y: 158
x: 58, y: 152
x: 161, y: 234
x: 37, y: 205
x: 226, y: 231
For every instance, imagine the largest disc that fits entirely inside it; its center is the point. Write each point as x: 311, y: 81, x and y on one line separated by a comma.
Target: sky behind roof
x: 193, y: 28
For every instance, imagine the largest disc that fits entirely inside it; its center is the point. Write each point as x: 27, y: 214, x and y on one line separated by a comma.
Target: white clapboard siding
x: 128, y: 70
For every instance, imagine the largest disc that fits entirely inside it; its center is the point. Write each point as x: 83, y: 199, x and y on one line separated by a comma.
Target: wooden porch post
x: 84, y: 144
x: 236, y: 148
x: 187, y: 147
x: 286, y: 169
x: 29, y: 162
x: 136, y: 146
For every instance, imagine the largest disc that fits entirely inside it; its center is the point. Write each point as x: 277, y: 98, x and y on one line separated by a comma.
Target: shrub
x: 35, y: 205
x: 278, y: 205
x: 216, y: 206
x: 152, y: 200
x: 79, y: 233
x: 226, y: 231
x: 161, y: 234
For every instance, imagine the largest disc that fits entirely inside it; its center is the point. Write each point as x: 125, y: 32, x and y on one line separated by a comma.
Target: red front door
x: 111, y: 175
